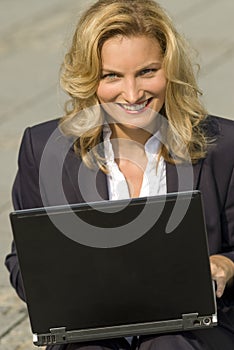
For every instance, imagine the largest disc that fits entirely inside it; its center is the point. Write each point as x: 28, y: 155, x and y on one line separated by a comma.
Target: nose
x: 132, y: 91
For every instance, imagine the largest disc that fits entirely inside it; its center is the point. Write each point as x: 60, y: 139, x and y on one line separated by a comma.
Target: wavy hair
x: 81, y: 72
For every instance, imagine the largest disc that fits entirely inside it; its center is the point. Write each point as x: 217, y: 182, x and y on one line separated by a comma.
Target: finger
x: 221, y: 283
x: 214, y: 270
x: 218, y: 274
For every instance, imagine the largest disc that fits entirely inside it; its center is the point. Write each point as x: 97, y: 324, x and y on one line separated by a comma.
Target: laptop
x: 115, y: 268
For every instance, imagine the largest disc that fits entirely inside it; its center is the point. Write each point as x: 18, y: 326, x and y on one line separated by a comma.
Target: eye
x: 109, y: 76
x: 147, y: 72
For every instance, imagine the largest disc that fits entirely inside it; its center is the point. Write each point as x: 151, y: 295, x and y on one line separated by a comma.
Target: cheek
x: 105, y: 93
x: 158, y: 86
x: 163, y: 84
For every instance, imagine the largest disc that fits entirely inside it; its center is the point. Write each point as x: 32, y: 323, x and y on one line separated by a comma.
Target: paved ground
x: 33, y: 39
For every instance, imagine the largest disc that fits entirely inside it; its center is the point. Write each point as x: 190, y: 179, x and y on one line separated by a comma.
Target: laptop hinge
x: 189, y: 320
x: 59, y: 334
x: 193, y: 320
x: 56, y: 336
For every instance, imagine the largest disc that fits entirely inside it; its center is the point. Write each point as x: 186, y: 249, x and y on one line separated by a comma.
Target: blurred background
x: 34, y: 36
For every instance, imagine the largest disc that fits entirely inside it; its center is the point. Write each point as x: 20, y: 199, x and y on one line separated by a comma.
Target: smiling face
x: 133, y: 82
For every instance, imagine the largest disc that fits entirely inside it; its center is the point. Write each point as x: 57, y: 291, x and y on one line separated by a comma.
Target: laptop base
x: 187, y: 322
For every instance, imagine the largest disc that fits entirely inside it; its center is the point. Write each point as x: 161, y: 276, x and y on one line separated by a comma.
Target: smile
x: 136, y: 107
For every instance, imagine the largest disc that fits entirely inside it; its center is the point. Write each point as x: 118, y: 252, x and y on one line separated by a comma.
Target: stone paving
x: 33, y: 38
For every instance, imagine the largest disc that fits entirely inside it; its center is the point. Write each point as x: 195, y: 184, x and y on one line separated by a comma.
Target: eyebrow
x: 147, y: 66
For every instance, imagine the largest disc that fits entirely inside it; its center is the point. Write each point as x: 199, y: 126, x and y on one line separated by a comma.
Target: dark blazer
x: 45, y: 151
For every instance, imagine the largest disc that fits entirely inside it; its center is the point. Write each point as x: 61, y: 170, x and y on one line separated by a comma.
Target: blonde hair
x: 81, y: 72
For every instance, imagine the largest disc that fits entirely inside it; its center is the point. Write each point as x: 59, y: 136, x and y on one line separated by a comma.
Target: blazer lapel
x: 183, y: 177
x: 81, y: 183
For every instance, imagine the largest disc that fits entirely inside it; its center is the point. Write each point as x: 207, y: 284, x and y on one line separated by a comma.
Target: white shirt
x: 154, y: 179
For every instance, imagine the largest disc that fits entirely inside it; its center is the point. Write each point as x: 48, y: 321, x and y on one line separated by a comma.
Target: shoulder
x: 43, y: 130
x: 36, y: 137
x: 220, y: 131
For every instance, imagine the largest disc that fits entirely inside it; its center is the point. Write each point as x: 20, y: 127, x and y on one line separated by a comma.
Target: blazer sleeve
x: 25, y: 194
x: 228, y: 221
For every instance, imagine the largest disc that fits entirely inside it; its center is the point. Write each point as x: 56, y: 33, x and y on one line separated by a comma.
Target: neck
x: 128, y: 144
x: 123, y: 132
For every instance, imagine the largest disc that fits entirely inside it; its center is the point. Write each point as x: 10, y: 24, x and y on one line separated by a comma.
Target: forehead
x: 121, y: 51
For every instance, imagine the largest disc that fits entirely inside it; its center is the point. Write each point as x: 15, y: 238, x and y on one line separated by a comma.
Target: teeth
x: 134, y: 107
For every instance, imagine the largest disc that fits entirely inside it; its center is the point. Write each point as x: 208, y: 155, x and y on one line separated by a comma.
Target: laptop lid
x: 148, y: 273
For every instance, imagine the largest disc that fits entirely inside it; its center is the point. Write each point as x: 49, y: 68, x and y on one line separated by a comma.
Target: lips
x: 136, y: 107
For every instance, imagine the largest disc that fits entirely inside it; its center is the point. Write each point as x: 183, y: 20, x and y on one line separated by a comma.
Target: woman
x: 135, y: 117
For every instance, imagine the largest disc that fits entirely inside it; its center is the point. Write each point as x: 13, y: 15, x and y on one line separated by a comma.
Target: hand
x: 222, y: 271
